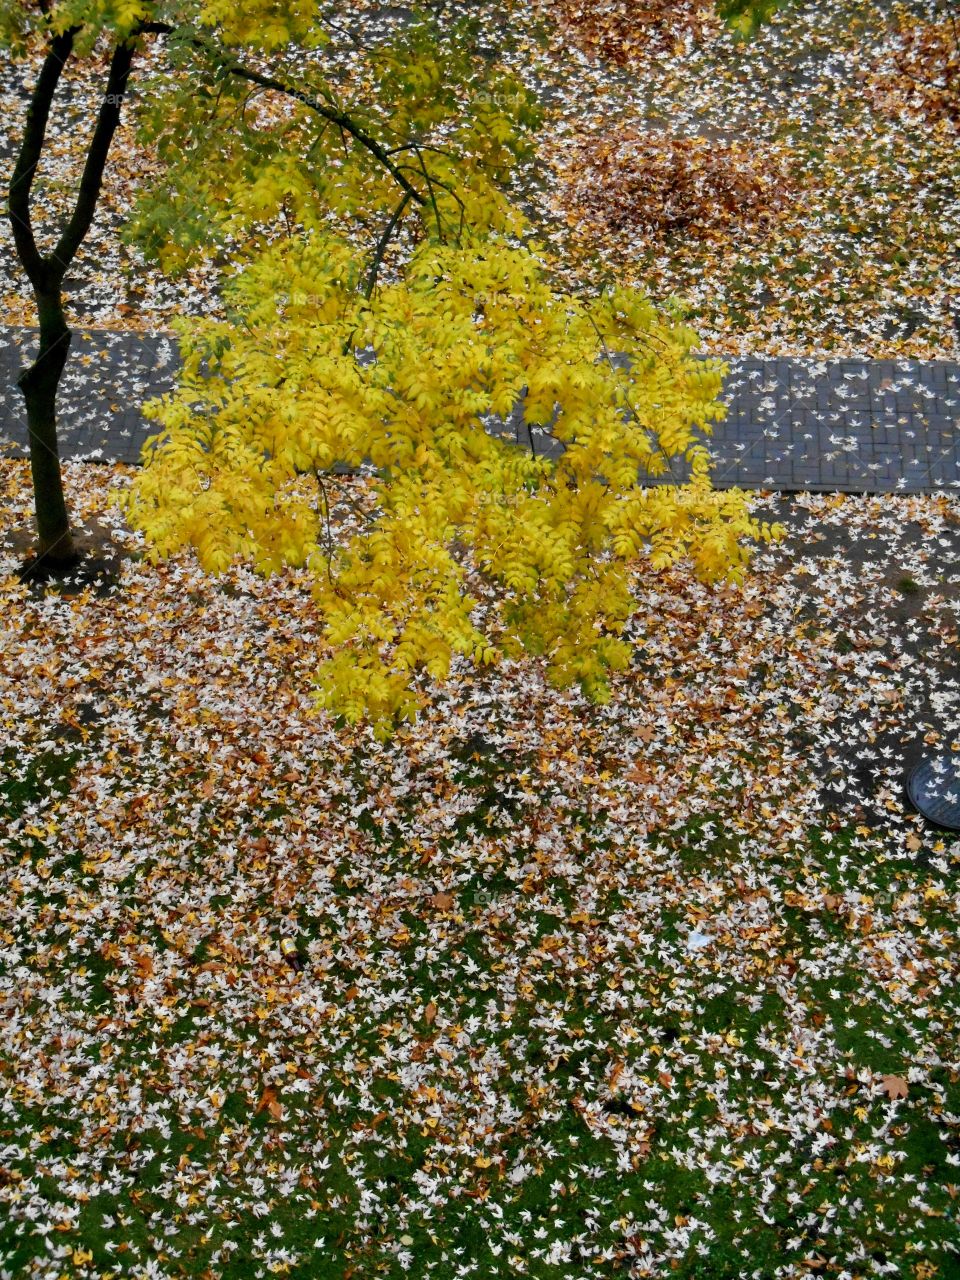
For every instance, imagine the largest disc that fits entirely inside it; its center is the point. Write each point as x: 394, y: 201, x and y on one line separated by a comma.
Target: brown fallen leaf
x: 895, y: 1086
x: 443, y: 901
x: 913, y: 842
x: 271, y: 1103
x: 430, y: 1013
x: 284, y: 893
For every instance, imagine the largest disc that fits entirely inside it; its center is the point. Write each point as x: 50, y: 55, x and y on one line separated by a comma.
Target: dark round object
x: 934, y: 791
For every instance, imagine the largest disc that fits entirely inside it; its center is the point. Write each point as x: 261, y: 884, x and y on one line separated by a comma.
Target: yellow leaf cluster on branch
x: 310, y: 372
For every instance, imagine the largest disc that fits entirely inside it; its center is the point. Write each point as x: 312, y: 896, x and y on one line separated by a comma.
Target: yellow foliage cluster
x: 265, y: 24
x: 308, y: 373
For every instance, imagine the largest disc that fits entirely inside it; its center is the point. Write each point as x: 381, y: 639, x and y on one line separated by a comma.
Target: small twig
x: 382, y: 245
x: 327, y: 530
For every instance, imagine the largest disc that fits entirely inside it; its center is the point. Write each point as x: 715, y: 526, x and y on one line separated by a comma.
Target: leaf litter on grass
x: 665, y: 985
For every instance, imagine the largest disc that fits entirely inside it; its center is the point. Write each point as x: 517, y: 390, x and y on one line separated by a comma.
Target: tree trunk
x: 55, y: 545
x: 39, y: 383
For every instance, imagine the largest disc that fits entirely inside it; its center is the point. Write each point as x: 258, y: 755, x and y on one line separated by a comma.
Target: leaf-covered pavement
x: 850, y: 247
x: 854, y: 426
x: 812, y: 201
x: 669, y: 987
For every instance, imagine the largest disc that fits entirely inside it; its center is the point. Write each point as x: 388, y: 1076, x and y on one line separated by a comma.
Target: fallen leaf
x: 895, y: 1086
x: 271, y: 1103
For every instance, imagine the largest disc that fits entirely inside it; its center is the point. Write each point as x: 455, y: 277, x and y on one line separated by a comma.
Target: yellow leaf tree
x: 385, y: 306
x: 469, y: 541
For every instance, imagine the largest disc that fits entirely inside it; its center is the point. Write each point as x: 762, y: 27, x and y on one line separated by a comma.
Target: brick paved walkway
x: 857, y: 426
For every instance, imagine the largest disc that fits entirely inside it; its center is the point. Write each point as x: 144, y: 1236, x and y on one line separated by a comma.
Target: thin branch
x: 381, y: 248
x: 429, y: 181
x: 357, y: 42
x: 229, y: 65
x: 421, y: 146
x: 368, y: 516
x: 433, y: 181
x: 328, y: 533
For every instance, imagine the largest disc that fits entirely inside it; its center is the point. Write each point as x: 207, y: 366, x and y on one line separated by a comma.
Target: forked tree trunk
x: 55, y: 545
x: 39, y: 384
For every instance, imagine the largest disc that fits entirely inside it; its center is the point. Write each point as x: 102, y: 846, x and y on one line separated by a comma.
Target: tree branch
x: 433, y: 198
x: 92, y: 177
x: 333, y: 114
x: 382, y: 244
x: 231, y: 66
x: 31, y: 149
